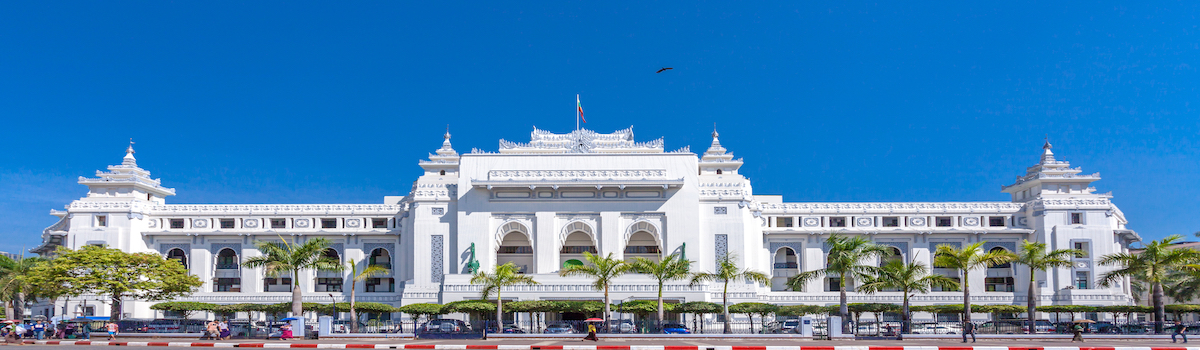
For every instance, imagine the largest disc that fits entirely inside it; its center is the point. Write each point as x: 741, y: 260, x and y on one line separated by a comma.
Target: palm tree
x: 14, y: 282
x: 727, y: 270
x: 909, y: 279
x: 670, y: 268
x: 603, y: 270
x: 966, y: 259
x: 1153, y: 265
x: 845, y: 259
x: 502, y: 276
x: 371, y: 271
x: 280, y: 258
x: 1035, y: 256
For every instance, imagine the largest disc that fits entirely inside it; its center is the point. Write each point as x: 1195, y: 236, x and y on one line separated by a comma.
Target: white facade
x: 540, y: 204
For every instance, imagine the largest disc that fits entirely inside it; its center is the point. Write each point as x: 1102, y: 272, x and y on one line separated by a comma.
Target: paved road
x: 718, y: 342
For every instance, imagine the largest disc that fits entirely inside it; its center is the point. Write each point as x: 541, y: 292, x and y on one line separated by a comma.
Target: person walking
x: 591, y: 333
x: 968, y: 328
x: 39, y: 330
x: 1077, y: 329
x: 223, y: 328
x: 111, y: 327
x: 285, y: 332
x: 1181, y: 330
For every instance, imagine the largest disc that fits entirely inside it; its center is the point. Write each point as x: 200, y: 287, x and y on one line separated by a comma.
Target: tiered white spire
x: 717, y: 159
x: 129, y: 160
x: 1062, y: 178
x: 444, y: 159
x: 126, y: 180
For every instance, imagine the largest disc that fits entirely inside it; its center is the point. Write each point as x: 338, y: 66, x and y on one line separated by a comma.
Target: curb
x: 572, y: 347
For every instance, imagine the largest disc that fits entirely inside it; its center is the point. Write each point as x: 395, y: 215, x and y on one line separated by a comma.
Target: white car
x: 937, y: 329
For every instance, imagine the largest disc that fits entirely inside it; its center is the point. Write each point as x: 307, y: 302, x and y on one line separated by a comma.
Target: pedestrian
x: 11, y: 336
x: 968, y: 328
x: 1078, y: 330
x: 224, y: 329
x: 85, y: 330
x: 1181, y: 330
x: 111, y: 327
x: 591, y: 333
x: 39, y: 330
x: 211, y: 332
x: 285, y: 332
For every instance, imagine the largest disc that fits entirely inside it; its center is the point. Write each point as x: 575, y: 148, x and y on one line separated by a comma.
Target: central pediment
x: 581, y: 141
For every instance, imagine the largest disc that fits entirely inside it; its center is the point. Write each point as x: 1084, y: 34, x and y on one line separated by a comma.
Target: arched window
x: 516, y: 248
x: 332, y: 254
x: 442, y: 172
x: 227, y: 259
x: 893, y: 254
x: 178, y: 255
x: 1000, y: 250
x: 381, y: 257
x: 718, y: 171
x: 576, y: 243
x: 786, y: 265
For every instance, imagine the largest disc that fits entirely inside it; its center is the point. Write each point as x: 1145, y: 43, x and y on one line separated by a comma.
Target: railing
x: 787, y: 265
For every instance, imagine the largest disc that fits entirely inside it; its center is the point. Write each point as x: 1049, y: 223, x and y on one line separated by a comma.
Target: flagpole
x: 576, y: 112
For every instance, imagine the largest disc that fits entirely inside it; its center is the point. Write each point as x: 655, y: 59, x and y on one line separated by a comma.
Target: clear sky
x: 335, y: 102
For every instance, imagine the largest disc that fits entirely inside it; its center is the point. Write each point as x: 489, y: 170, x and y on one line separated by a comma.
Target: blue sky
x: 334, y: 102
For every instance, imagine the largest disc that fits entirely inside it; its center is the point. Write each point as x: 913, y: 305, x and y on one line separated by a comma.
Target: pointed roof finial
x: 447, y: 136
x: 129, y: 160
x: 715, y: 134
x: 1047, y: 145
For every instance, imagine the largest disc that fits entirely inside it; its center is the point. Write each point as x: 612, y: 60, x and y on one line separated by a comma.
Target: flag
x: 579, y: 105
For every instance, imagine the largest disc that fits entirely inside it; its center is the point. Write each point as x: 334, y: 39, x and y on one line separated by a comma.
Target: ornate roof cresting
x: 580, y: 141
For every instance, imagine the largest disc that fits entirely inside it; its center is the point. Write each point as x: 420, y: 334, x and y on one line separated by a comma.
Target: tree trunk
x: 1031, y: 303
x: 297, y: 299
x: 18, y: 307
x: 725, y: 308
x: 661, y: 313
x: 904, y: 317
x: 966, y: 287
x: 843, y: 310
x: 607, y: 310
x: 353, y: 313
x: 499, y: 313
x: 1159, y: 311
x: 114, y: 312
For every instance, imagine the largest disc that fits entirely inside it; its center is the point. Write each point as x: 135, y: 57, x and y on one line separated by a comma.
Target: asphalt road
x: 718, y: 342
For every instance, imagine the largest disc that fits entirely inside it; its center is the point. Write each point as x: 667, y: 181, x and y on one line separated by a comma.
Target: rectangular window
x: 278, y: 223
x: 329, y: 285
x: 176, y: 223
x: 996, y: 221
x: 940, y: 289
x: 438, y: 211
x: 783, y: 222
x: 89, y: 311
x: 228, y: 285
x: 379, y: 223
x: 380, y: 285
x: 1082, y: 247
x: 1076, y: 218
x: 837, y: 221
x: 1081, y: 280
x: 101, y: 221
x: 944, y: 221
x: 328, y: 223
x: 833, y: 284
x: 999, y: 284
x: 891, y: 221
x: 720, y: 210
x: 227, y: 223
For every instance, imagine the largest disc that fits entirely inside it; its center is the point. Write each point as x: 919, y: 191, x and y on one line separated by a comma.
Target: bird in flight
x: 664, y: 69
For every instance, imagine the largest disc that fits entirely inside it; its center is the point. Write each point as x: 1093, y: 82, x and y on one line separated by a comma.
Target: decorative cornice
x: 893, y: 207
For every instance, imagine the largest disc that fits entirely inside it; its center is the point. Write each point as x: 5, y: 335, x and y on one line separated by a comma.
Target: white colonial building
x: 543, y: 203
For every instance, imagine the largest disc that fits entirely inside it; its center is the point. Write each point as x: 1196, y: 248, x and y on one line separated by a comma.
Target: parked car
x: 675, y: 328
x: 1039, y: 326
x: 937, y: 329
x: 445, y: 325
x: 560, y: 328
x: 621, y: 326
